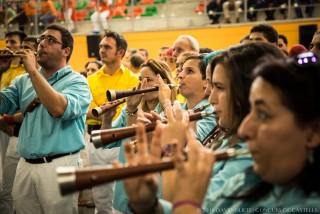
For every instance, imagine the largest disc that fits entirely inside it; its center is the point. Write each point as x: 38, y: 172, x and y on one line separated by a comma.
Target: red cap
x: 297, y: 49
x: 169, y: 52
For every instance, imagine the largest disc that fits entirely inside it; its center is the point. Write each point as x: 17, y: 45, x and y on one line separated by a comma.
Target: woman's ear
x: 314, y: 136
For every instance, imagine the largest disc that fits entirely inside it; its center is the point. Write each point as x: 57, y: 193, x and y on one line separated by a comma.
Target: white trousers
x: 67, y: 17
x: 103, y: 194
x: 36, y: 188
x: 97, y: 17
x: 226, y: 11
x: 9, y: 171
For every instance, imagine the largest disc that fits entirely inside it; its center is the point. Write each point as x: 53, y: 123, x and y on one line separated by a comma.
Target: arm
x: 192, y: 176
x: 141, y: 191
x: 53, y: 101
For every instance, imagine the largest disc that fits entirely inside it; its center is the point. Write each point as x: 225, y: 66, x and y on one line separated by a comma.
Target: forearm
x: 53, y: 101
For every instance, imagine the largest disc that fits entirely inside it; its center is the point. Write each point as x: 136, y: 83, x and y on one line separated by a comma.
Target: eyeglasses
x: 49, y: 40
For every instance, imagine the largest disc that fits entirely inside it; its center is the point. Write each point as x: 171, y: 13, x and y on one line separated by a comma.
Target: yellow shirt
x: 9, y: 75
x: 100, y: 82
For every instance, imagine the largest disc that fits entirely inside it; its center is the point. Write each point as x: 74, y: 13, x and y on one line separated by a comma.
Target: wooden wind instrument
x: 117, y: 94
x: 103, y: 109
x: 71, y: 179
x: 105, y: 137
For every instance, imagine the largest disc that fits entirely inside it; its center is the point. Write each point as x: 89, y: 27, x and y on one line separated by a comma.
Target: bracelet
x: 186, y: 202
x: 8, y: 119
x: 153, y: 208
x: 164, y: 106
x: 131, y: 113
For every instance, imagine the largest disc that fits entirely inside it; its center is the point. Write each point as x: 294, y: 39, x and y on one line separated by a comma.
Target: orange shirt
x: 103, y: 5
x: 47, y: 7
x: 30, y: 8
x: 70, y: 4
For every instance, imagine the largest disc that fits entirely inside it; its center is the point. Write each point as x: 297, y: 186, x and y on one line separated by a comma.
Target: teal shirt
x: 41, y: 134
x: 120, y: 199
x: 278, y: 200
x: 206, y: 124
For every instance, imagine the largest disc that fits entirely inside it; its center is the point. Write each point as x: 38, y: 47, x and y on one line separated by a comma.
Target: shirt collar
x: 58, y: 74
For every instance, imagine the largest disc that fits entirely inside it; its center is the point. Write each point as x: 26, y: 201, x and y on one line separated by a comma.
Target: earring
x: 310, y: 156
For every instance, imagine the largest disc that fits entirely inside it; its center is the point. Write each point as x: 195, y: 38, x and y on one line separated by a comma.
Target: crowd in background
x: 22, y: 13
x: 275, y: 117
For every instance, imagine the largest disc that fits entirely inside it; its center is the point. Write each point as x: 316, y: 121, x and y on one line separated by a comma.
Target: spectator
x: 30, y: 10
x: 100, y: 15
x: 264, y: 33
x: 315, y: 43
x: 162, y: 52
x: 232, y: 5
x: 245, y: 39
x: 48, y: 13
x: 205, y: 50
x: 214, y: 10
x: 283, y: 43
x: 92, y: 67
x: 128, y: 55
x: 68, y: 10
x: 136, y: 62
x: 170, y: 61
x: 144, y: 53
x: 185, y: 43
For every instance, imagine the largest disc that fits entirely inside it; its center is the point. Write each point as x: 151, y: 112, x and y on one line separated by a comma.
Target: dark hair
x: 202, y: 64
x: 269, y: 32
x: 121, y: 42
x: 19, y: 33
x: 205, y: 50
x: 284, y: 38
x: 32, y: 39
x: 298, y: 87
x: 161, y: 68
x: 66, y: 37
x: 144, y: 50
x: 136, y: 60
x: 247, y: 37
x: 98, y: 63
x: 239, y: 62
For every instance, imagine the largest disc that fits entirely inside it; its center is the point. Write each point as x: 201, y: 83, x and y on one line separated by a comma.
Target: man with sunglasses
x: 52, y: 131
x: 9, y: 71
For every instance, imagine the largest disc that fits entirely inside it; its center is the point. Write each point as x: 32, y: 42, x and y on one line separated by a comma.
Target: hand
x: 193, y: 175
x: 106, y: 118
x: 164, y: 91
x: 135, y: 100
x: 28, y: 59
x: 141, y: 191
x: 177, y: 124
x: 9, y: 130
x: 150, y: 118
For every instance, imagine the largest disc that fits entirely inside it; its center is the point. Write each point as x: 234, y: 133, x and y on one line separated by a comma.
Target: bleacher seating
x: 150, y: 11
x: 146, y: 2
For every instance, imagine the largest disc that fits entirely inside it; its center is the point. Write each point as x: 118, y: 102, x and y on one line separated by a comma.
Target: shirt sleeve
x: 78, y: 97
